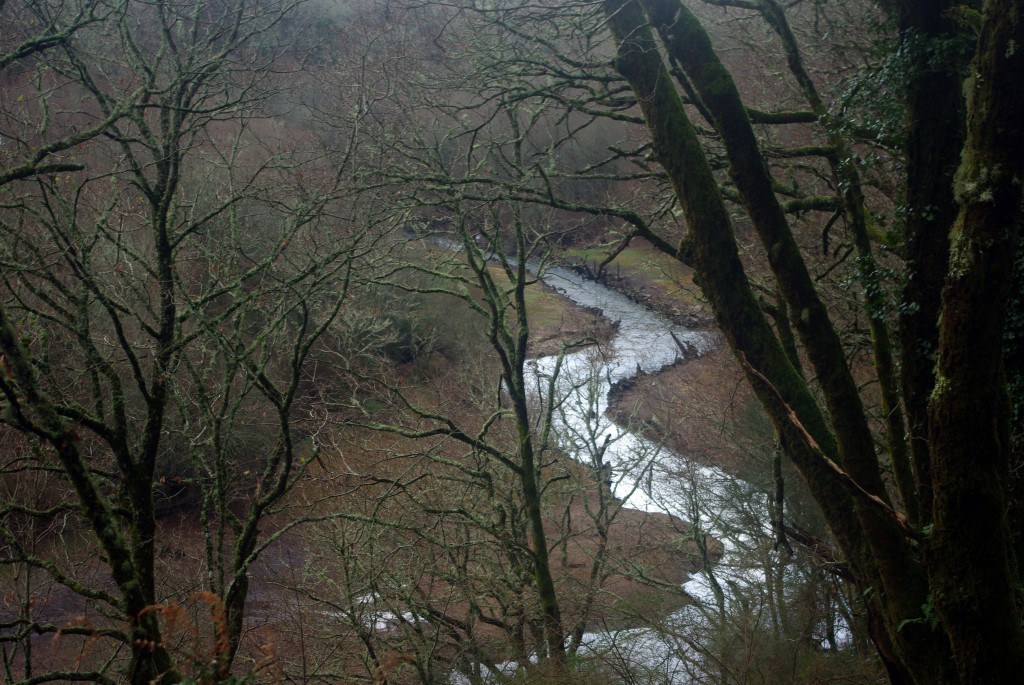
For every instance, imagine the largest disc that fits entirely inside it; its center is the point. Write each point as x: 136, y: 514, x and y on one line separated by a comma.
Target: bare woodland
x: 286, y: 386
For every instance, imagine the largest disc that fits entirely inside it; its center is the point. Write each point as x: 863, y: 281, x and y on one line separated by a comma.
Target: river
x: 644, y: 474
x: 647, y: 476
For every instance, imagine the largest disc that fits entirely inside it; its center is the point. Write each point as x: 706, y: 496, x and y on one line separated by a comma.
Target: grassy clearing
x: 554, y: 318
x: 551, y: 315
x: 641, y: 269
x: 544, y: 307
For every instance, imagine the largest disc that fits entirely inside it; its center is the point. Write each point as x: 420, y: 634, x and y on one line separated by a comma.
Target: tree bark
x: 934, y: 112
x: 973, y: 572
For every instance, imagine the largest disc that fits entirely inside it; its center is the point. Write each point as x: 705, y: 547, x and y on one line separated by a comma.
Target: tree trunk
x: 934, y: 112
x: 34, y: 413
x: 969, y: 571
x: 973, y: 572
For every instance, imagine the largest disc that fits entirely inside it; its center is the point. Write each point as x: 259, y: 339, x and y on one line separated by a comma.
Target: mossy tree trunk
x: 902, y: 571
x: 30, y: 410
x: 935, y: 107
x: 975, y: 578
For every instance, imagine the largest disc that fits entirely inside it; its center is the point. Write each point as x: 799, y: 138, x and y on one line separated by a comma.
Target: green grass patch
x: 544, y: 308
x: 646, y: 268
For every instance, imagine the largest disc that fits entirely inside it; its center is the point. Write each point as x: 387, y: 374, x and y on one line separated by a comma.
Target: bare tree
x: 165, y: 294
x: 799, y: 333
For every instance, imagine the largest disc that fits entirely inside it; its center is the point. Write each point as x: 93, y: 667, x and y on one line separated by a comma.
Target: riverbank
x: 648, y: 277
x: 557, y: 323
x: 699, y: 405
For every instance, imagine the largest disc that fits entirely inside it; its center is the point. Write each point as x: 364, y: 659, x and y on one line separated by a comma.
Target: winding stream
x: 645, y: 342
x: 643, y: 474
